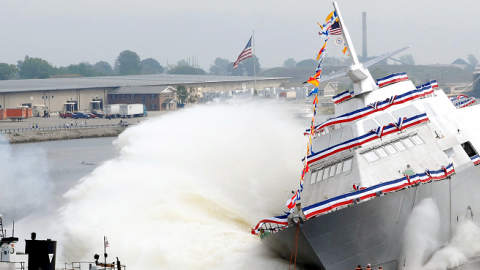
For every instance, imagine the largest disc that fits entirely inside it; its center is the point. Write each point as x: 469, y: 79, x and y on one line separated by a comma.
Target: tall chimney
x: 364, y: 39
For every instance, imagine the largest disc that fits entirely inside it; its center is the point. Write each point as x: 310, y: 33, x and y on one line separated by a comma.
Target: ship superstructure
x: 390, y: 145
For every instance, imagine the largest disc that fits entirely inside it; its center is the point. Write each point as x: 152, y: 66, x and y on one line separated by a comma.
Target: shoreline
x: 63, y: 134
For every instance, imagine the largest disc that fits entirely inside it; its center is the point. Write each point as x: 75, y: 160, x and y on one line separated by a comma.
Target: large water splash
x: 186, y: 190
x: 421, y: 245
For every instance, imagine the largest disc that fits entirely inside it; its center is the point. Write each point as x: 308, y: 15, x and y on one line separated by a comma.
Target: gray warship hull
x: 373, y: 231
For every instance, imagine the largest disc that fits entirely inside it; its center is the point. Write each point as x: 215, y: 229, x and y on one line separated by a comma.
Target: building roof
x: 168, y: 100
x: 118, y: 81
x: 142, y: 89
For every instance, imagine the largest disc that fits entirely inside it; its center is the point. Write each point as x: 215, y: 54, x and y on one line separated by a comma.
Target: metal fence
x: 12, y: 130
x: 88, y: 265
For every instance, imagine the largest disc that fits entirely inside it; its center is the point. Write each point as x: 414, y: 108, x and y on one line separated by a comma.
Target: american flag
x: 246, y: 53
x: 336, y: 29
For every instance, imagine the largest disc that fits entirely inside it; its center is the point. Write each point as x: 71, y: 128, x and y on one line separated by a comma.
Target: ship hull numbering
x: 373, y: 231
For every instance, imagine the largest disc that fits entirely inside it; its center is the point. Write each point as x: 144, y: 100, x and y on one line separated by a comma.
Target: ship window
x: 417, y: 139
x: 347, y: 165
x: 339, y: 168
x: 408, y: 143
x: 313, y: 177
x: 319, y: 175
x: 371, y: 156
x: 332, y: 170
x: 325, y: 173
x: 381, y: 152
x: 468, y: 147
x: 400, y: 146
x: 369, y: 124
x: 390, y: 149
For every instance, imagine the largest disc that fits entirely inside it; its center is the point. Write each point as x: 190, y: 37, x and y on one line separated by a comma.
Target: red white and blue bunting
x: 465, y: 102
x: 362, y: 194
x: 342, y: 97
x: 402, y: 123
x: 391, y: 79
x: 475, y: 159
x: 280, y: 220
x: 458, y: 97
x: 421, y: 91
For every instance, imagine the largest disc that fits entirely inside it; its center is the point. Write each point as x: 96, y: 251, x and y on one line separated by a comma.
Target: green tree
x: 128, y: 63
x: 182, y: 93
x: 151, y: 66
x: 7, y: 71
x: 307, y: 63
x: 219, y: 66
x: 472, y: 60
x: 35, y: 68
x: 248, y: 65
x: 84, y: 69
x: 192, y: 95
x: 239, y: 71
x: 103, y: 68
x: 408, y: 58
x: 244, y: 68
x: 182, y: 63
x: 186, y: 70
x: 290, y: 62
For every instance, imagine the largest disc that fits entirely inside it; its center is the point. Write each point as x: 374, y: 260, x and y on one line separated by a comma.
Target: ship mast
x: 360, y: 76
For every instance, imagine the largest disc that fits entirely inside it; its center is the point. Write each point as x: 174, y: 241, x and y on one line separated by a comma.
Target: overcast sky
x: 67, y: 32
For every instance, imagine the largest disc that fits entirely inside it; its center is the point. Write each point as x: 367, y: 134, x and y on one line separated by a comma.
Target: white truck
x: 112, y: 111
x: 133, y: 110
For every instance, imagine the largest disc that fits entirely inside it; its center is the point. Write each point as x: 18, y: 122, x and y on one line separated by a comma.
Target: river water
x: 69, y: 160
x: 36, y: 175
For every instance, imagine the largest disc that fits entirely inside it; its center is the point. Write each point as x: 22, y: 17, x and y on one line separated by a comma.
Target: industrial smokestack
x: 364, y: 39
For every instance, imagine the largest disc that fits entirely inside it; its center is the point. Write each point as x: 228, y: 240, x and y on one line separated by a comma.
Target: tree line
x: 127, y: 63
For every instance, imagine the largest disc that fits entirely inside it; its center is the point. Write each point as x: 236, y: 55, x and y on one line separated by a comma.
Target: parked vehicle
x: 66, y: 115
x: 15, y: 113
x: 80, y: 115
x: 97, y: 114
x: 91, y: 115
x: 112, y: 111
x: 133, y: 110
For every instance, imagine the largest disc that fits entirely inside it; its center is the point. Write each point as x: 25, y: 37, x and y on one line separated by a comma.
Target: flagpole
x: 254, y: 69
x: 105, y: 252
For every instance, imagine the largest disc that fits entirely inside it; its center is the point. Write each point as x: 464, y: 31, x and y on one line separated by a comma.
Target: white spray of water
x: 186, y: 190
x: 421, y: 239
x: 421, y: 233
x: 25, y: 183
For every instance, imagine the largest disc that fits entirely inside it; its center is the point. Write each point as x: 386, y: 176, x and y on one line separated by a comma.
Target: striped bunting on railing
x: 342, y: 97
x: 368, y: 137
x: 421, y: 91
x: 393, y: 78
x: 465, y: 102
x: 346, y: 199
x: 281, y: 220
x: 475, y: 159
x: 458, y: 97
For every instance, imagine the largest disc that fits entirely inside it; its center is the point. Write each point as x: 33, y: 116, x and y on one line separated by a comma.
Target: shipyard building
x: 157, y: 92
